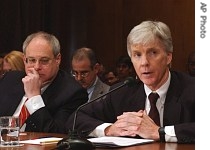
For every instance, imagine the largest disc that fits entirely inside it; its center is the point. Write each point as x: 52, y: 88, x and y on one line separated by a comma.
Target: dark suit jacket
x: 61, y: 99
x: 179, y: 108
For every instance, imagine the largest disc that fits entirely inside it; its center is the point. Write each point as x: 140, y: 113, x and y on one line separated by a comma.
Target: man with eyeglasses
x: 49, y: 94
x: 85, y: 68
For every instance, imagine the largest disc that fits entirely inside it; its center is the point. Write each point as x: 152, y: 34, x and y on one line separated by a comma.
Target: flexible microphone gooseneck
x: 74, y: 141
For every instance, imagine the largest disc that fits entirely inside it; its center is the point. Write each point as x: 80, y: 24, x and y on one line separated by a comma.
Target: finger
x: 132, y: 127
x: 34, y: 71
x: 141, y: 111
x: 25, y: 79
x: 128, y: 114
x: 144, y: 112
x: 129, y: 121
x: 31, y: 71
x: 127, y: 133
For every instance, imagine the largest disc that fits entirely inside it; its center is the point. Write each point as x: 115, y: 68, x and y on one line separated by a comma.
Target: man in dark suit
x: 49, y: 94
x: 85, y: 68
x: 126, y: 112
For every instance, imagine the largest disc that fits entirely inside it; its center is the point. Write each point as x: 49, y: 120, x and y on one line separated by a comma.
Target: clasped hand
x: 132, y: 124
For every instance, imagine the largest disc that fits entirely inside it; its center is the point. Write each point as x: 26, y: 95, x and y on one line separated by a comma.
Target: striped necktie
x: 23, y: 114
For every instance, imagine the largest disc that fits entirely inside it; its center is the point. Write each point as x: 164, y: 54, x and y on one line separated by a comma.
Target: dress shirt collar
x: 45, y: 87
x: 162, y: 90
x: 91, y: 88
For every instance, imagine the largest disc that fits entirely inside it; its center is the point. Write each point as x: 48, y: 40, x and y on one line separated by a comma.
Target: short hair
x: 51, y: 39
x: 148, y: 31
x: 85, y: 52
x: 125, y: 60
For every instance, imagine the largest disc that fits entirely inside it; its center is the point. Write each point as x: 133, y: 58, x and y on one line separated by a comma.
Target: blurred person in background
x: 101, y: 71
x: 110, y: 77
x: 13, y: 61
x: 124, y: 68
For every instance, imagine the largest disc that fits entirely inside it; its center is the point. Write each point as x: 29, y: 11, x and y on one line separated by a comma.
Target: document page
x: 42, y: 141
x: 109, y: 141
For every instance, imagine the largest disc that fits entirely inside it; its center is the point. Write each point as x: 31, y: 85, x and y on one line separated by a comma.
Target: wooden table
x: 150, y: 146
x: 159, y: 146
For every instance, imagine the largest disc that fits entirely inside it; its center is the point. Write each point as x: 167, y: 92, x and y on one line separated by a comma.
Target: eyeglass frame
x: 83, y: 74
x: 43, y: 60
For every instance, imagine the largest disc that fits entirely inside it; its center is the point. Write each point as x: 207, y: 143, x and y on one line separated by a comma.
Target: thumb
x: 141, y: 111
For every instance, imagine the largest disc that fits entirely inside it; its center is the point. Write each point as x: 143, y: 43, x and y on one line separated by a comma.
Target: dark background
x: 102, y: 25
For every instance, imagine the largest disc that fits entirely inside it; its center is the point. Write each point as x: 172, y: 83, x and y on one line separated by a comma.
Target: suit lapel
x: 98, y: 90
x: 137, y: 101
x: 172, y: 106
x: 50, y: 94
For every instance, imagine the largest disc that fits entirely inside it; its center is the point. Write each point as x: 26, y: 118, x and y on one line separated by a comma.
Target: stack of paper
x: 117, y: 141
x: 42, y: 141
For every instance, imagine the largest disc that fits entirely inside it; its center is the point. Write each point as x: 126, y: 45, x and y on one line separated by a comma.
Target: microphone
x: 74, y: 141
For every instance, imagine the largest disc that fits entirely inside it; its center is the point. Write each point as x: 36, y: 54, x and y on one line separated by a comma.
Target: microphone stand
x: 74, y: 141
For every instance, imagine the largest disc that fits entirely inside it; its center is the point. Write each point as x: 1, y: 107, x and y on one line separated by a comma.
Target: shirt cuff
x: 170, y: 135
x: 34, y: 103
x: 99, y: 130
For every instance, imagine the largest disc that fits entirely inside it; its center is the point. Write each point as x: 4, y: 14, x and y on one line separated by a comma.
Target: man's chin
x: 84, y: 86
x: 148, y: 82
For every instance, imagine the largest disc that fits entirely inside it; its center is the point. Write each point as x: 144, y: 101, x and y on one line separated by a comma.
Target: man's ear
x: 96, y: 67
x: 169, y: 58
x: 58, y: 59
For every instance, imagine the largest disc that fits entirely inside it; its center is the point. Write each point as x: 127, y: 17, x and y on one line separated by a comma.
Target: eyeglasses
x: 42, y: 61
x: 83, y: 74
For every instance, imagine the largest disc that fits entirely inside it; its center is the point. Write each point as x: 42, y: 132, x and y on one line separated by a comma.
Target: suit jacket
x: 100, y: 89
x: 61, y: 98
x: 179, y: 108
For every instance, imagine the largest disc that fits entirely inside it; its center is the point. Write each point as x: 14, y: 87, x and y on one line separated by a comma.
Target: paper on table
x: 109, y: 141
x: 42, y: 141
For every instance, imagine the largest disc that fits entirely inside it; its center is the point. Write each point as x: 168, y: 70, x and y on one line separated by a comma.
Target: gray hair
x: 147, y: 32
x: 51, y: 39
x: 83, y: 53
